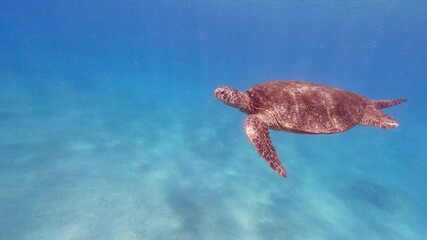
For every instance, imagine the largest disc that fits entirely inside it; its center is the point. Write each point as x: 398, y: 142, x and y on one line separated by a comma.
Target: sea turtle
x: 302, y: 107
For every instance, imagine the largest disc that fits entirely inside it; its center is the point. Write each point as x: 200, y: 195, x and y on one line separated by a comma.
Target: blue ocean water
x: 109, y: 128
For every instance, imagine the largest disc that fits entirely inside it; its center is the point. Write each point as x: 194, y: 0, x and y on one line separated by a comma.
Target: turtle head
x: 234, y: 98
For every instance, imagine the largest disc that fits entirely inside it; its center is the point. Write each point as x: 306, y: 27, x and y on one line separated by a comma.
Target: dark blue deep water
x: 109, y: 128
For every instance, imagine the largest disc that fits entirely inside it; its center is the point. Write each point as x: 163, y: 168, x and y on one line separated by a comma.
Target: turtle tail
x: 380, y: 104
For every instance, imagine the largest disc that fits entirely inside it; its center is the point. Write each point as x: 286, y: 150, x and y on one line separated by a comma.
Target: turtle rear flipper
x: 376, y: 118
x: 380, y: 104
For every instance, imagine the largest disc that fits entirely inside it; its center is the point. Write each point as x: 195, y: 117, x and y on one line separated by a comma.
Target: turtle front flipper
x: 257, y: 132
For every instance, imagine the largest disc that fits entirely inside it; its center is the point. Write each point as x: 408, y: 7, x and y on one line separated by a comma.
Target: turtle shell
x: 305, y: 107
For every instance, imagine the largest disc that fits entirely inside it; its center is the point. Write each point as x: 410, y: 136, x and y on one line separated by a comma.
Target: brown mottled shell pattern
x: 307, y: 107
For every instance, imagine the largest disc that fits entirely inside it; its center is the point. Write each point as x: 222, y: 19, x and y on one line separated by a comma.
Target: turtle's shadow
x: 371, y: 194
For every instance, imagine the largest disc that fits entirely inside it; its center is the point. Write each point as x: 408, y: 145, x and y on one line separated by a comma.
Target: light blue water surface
x: 109, y: 129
